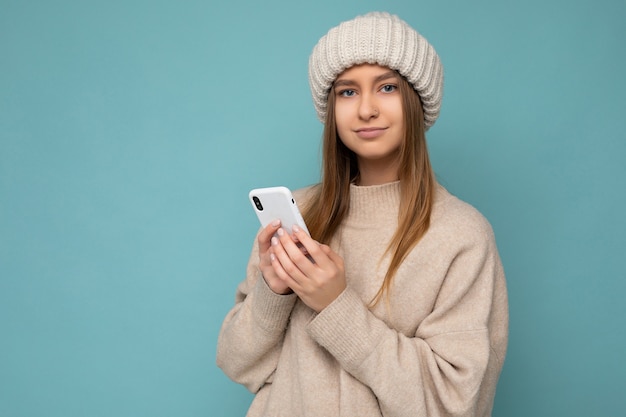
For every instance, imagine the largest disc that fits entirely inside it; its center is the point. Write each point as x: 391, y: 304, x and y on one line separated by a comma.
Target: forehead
x: 365, y: 71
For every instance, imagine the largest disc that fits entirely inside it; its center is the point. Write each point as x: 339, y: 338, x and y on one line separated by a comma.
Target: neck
x: 377, y: 172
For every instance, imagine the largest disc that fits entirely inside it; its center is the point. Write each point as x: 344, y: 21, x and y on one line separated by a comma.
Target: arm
x: 252, y: 333
x: 438, y: 370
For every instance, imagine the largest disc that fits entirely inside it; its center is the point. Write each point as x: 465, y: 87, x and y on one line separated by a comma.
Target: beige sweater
x: 436, y: 350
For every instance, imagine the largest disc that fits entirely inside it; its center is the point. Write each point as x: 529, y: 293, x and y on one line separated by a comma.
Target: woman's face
x: 368, y: 114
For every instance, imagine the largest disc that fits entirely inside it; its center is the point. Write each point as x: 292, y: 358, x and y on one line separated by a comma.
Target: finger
x: 283, y: 265
x: 283, y: 276
x: 297, y: 252
x: 312, y: 247
x: 331, y: 253
x: 266, y: 234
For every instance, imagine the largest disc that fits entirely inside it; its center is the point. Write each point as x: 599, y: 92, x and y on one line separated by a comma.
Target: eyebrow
x: 385, y: 76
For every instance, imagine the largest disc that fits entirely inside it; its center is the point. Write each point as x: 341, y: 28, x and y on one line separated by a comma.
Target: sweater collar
x: 374, y: 203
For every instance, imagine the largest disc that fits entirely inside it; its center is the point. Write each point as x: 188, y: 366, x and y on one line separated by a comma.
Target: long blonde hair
x: 329, y: 206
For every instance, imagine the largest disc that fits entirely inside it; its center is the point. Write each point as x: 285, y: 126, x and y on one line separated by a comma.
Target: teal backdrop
x: 131, y: 132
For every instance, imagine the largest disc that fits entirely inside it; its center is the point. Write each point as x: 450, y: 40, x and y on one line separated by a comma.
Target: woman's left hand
x: 312, y: 270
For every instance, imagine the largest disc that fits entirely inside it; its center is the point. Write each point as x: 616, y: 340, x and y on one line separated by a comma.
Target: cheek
x: 341, y: 120
x: 343, y: 132
x: 393, y: 108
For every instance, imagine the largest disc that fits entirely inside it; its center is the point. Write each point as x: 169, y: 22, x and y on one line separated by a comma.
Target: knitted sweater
x: 436, y: 349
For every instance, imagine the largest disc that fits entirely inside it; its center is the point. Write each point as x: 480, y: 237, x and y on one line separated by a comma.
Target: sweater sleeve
x: 251, y: 336
x: 438, y: 370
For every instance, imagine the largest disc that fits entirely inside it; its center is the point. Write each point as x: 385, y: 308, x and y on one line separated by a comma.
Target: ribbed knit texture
x: 437, y: 351
x: 383, y: 39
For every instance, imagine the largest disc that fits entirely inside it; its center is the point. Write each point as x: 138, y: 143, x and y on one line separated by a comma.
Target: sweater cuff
x: 270, y: 310
x: 347, y: 329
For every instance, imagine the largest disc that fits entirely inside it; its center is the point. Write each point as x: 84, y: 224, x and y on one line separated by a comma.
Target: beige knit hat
x: 383, y: 39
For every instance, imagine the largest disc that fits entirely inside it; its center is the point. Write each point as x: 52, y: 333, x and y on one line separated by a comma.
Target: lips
x: 370, y: 132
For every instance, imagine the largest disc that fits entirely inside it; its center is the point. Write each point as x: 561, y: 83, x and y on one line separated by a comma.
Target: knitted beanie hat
x: 383, y: 39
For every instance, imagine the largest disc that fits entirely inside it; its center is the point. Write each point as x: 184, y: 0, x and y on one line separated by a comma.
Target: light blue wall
x: 131, y: 131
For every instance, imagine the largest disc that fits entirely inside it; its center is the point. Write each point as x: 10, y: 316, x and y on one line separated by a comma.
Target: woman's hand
x: 313, y: 271
x: 265, y: 264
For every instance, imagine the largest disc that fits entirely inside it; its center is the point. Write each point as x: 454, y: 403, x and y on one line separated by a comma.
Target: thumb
x: 331, y: 254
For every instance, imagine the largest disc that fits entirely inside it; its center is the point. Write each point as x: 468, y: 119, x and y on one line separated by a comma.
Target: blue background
x: 131, y: 132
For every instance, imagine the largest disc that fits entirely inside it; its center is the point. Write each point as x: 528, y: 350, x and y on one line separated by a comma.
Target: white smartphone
x: 277, y: 203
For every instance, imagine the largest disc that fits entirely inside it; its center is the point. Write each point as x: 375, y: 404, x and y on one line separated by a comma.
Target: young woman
x: 403, y: 310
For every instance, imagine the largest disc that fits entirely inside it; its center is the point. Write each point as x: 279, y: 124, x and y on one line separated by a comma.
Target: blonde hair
x: 329, y: 206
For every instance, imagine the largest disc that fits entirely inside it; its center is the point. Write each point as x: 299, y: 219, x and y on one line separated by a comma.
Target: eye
x: 347, y: 93
x: 388, y: 88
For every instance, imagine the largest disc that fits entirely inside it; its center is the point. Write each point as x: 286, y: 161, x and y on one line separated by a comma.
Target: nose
x: 368, y: 108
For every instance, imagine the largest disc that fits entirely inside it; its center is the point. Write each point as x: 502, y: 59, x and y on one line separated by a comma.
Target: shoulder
x: 458, y: 219
x: 304, y: 195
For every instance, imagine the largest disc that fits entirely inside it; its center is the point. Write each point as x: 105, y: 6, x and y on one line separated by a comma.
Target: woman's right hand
x: 265, y: 263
